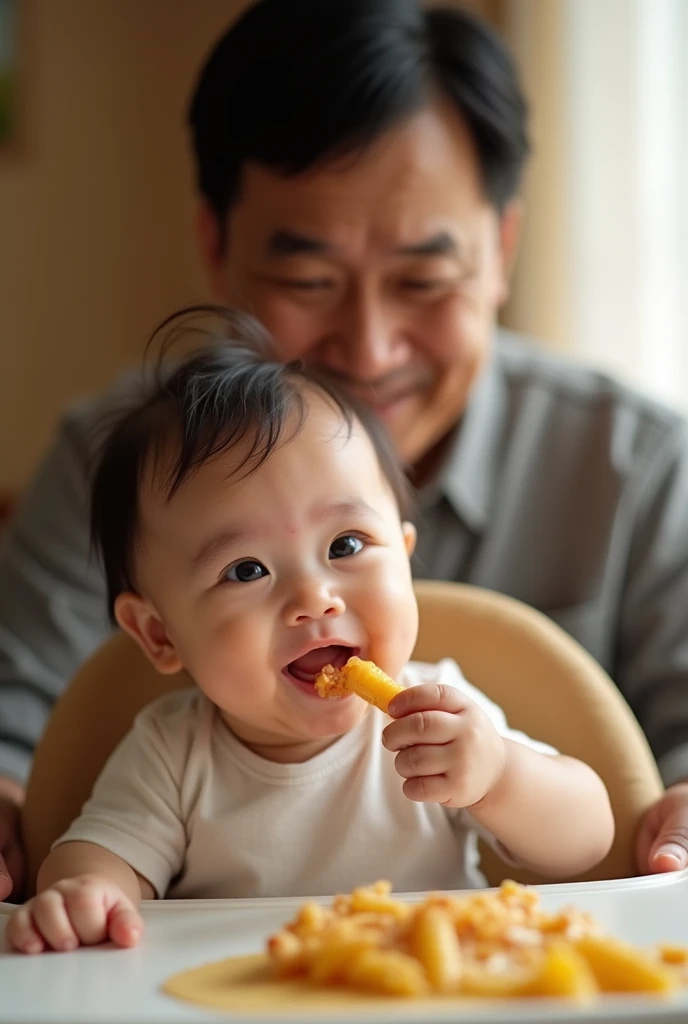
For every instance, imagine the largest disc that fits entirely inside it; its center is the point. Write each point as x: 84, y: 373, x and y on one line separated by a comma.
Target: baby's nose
x: 313, y: 600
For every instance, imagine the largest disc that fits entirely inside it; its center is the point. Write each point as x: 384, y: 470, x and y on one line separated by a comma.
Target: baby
x: 252, y: 524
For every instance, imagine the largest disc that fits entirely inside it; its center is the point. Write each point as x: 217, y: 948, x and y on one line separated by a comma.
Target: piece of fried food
x: 487, y: 944
x: 363, y: 678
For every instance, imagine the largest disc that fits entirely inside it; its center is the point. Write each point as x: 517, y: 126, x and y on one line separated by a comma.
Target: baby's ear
x: 140, y: 620
x: 410, y: 535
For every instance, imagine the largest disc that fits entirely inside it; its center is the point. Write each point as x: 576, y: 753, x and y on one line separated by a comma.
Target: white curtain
x: 625, y: 127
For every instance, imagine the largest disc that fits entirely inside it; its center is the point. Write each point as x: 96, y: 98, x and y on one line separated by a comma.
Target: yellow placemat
x: 245, y: 985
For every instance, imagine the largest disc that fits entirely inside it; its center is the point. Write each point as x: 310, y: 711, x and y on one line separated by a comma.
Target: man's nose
x: 365, y: 342
x: 312, y: 598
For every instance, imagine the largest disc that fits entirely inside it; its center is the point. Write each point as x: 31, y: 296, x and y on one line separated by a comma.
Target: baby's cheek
x: 395, y: 614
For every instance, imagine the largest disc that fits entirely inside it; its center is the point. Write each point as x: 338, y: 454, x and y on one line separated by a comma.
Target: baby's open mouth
x: 309, y: 665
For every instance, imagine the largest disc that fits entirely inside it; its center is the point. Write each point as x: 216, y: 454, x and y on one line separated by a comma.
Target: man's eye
x: 344, y: 546
x: 246, y: 571
x: 307, y: 285
x: 421, y: 285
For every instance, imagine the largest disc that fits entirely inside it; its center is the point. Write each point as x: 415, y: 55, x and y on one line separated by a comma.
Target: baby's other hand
x: 449, y: 751
x: 81, y: 911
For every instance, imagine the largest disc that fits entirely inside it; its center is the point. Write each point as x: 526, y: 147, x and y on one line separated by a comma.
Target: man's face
x: 386, y: 269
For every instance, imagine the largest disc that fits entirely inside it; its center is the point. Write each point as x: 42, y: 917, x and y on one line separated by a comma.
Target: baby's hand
x: 77, y: 911
x: 449, y: 751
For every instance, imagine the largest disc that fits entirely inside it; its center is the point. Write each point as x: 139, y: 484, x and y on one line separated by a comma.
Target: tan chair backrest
x: 547, y: 684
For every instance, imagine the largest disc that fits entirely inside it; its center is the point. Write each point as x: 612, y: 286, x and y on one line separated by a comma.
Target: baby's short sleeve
x: 135, y: 809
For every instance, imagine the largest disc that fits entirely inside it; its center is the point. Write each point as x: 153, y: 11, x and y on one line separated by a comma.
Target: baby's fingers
x: 421, y: 727
x: 51, y: 919
x: 87, y: 909
x: 422, y: 760
x: 101, y: 911
x: 125, y: 924
x: 21, y: 933
x: 428, y: 697
x: 431, y: 789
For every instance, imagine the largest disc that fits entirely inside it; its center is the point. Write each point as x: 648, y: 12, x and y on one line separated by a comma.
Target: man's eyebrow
x: 216, y: 544
x: 292, y: 243
x: 441, y: 244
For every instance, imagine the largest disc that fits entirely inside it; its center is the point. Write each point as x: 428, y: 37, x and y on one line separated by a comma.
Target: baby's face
x: 254, y: 584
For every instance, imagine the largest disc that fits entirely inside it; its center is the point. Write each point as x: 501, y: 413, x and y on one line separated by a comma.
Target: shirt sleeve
x: 135, y: 808
x: 52, y: 597
x: 652, y: 666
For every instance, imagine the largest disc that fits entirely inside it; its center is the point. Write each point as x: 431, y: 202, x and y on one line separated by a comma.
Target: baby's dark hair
x: 231, y: 389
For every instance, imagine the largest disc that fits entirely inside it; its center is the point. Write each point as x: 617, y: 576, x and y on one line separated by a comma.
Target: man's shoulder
x: 527, y: 365
x: 592, y: 400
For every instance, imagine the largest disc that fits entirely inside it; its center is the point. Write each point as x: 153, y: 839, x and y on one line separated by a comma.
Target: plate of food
x: 601, y: 951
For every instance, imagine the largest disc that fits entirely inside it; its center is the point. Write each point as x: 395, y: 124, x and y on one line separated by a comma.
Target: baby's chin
x: 327, y: 721
x: 337, y: 718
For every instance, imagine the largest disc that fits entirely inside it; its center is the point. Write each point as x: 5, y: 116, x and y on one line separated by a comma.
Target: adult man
x: 358, y: 163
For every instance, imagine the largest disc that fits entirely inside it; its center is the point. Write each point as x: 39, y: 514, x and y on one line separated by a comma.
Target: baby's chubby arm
x: 86, y: 895
x: 552, y: 813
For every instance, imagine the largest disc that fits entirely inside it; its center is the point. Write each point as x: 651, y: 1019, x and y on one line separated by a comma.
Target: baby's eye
x: 344, y: 546
x: 246, y: 571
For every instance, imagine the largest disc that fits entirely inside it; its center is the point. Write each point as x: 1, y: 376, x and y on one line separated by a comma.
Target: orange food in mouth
x: 363, y: 678
x: 309, y: 666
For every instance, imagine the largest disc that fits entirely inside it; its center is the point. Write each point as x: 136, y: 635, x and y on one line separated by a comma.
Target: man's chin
x: 403, y: 420
x: 412, y: 440
x: 419, y: 428
x: 395, y: 409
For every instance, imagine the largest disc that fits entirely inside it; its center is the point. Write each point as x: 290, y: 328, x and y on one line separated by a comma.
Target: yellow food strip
x: 286, y: 951
x: 436, y: 945
x: 621, y: 968
x: 374, y: 899
x: 389, y: 972
x: 363, y: 678
x: 676, y: 955
x: 564, y: 972
x: 334, y: 960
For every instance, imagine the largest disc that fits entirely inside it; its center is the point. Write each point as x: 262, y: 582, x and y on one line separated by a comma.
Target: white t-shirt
x: 199, y: 815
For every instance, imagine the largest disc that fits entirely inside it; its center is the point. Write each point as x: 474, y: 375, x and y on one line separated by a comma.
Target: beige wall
x: 95, y: 202
x: 540, y: 303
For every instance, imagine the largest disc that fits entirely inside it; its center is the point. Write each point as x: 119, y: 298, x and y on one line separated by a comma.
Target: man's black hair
x: 230, y: 391
x: 294, y: 84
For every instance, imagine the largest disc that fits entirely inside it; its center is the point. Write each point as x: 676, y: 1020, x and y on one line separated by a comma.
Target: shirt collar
x: 468, y: 476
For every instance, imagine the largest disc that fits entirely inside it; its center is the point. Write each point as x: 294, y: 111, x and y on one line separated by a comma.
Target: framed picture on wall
x: 8, y: 71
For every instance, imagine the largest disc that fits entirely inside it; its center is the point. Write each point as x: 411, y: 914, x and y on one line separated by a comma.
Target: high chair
x: 548, y: 686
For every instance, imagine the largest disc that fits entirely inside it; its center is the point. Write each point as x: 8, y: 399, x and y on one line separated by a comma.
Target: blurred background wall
x: 96, y: 208
x: 96, y: 200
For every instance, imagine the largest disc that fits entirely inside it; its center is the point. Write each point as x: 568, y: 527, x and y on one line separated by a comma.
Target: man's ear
x: 510, y: 224
x: 141, y: 621
x: 211, y: 247
x: 409, y: 532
